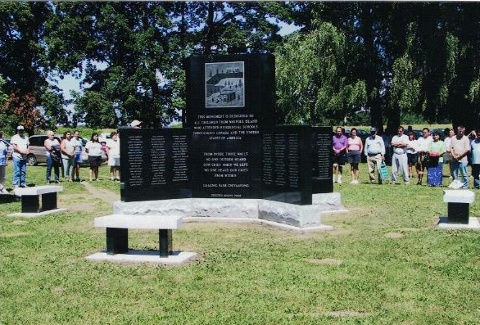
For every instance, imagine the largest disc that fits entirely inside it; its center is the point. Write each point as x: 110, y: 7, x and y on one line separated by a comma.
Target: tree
x: 313, y: 80
x: 24, y: 65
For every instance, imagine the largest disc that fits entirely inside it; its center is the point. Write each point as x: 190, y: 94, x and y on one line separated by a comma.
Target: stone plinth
x: 299, y: 217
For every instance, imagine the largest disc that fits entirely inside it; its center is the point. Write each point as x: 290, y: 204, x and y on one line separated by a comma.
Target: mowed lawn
x: 385, y: 263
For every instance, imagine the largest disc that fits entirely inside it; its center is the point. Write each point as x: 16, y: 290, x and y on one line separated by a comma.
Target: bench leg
x: 165, y: 239
x: 30, y: 204
x: 458, y: 213
x: 117, y: 240
x: 49, y: 201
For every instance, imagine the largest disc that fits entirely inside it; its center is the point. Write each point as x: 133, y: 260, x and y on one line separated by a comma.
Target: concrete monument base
x: 296, y: 217
x: 473, y: 223
x: 135, y: 256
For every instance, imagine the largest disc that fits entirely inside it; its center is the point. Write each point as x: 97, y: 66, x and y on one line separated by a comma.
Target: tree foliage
x: 313, y: 80
x: 24, y: 66
x: 390, y: 60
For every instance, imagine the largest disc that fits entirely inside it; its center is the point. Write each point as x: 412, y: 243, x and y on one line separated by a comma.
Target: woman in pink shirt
x: 354, y: 149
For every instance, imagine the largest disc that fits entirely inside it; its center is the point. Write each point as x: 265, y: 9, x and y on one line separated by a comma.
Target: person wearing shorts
x: 113, y: 153
x: 94, y: 151
x: 412, y: 155
x: 339, y: 147
x: 354, y: 149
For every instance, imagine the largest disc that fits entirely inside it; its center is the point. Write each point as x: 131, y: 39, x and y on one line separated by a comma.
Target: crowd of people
x: 427, y: 153
x: 64, y: 156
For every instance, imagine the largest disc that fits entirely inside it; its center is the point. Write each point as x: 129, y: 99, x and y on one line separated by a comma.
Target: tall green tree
x: 25, y: 67
x: 314, y: 83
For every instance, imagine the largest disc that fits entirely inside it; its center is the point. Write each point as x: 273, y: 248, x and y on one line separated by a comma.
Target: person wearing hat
x: 375, y: 152
x: 136, y: 124
x: 20, y: 145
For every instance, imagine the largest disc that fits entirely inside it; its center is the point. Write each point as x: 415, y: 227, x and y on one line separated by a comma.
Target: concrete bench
x: 458, y: 205
x: 118, y: 224
x: 30, y: 198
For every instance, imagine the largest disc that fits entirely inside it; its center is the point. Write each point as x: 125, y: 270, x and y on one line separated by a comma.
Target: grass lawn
x: 384, y: 263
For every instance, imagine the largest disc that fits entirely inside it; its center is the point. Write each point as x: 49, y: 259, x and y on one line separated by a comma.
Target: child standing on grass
x: 3, y: 164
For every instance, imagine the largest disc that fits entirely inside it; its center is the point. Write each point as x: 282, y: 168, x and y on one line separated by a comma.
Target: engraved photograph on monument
x: 224, y: 84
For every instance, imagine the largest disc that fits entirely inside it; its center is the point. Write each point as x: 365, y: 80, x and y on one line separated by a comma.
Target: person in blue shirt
x: 3, y: 163
x: 475, y: 144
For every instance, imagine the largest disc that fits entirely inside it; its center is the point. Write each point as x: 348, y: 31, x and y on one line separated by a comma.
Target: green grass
x: 396, y: 267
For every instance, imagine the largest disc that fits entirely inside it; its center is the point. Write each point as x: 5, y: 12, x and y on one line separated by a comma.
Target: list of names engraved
x: 135, y: 160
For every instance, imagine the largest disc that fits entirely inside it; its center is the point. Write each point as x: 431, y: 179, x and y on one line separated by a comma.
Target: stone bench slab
x: 126, y: 221
x: 37, y: 190
x: 458, y: 196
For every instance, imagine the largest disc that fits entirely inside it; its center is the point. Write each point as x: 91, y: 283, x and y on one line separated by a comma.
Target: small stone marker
x: 458, y: 210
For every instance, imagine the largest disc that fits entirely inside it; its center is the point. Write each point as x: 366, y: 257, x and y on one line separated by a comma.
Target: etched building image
x: 224, y: 84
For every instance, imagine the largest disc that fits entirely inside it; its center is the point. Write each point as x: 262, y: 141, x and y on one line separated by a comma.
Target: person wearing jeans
x: 20, y: 145
x: 68, y: 157
x: 460, y: 146
x: 52, y: 147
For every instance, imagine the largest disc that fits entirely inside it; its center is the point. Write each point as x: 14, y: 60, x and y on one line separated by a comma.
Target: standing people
x: 399, y: 159
x: 460, y: 146
x: 423, y: 144
x: 94, y: 151
x: 435, y: 161
x: 447, y: 157
x: 412, y: 154
x: 3, y: 164
x: 339, y: 142
x: 354, y: 149
x: 67, y: 149
x: 52, y: 147
x: 476, y: 159
x: 113, y: 153
x: 374, y: 151
x: 77, y: 145
x: 20, y: 145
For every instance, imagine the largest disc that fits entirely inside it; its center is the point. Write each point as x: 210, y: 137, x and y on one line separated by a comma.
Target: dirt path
x: 105, y: 195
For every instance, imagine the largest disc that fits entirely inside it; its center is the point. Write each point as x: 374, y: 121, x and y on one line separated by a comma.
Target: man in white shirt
x: 375, y: 152
x: 423, y: 143
x: 399, y: 159
x: 20, y: 145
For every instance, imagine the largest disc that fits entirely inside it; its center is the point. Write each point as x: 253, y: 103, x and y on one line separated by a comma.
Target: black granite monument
x: 229, y: 146
x: 154, y: 164
x: 228, y: 99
